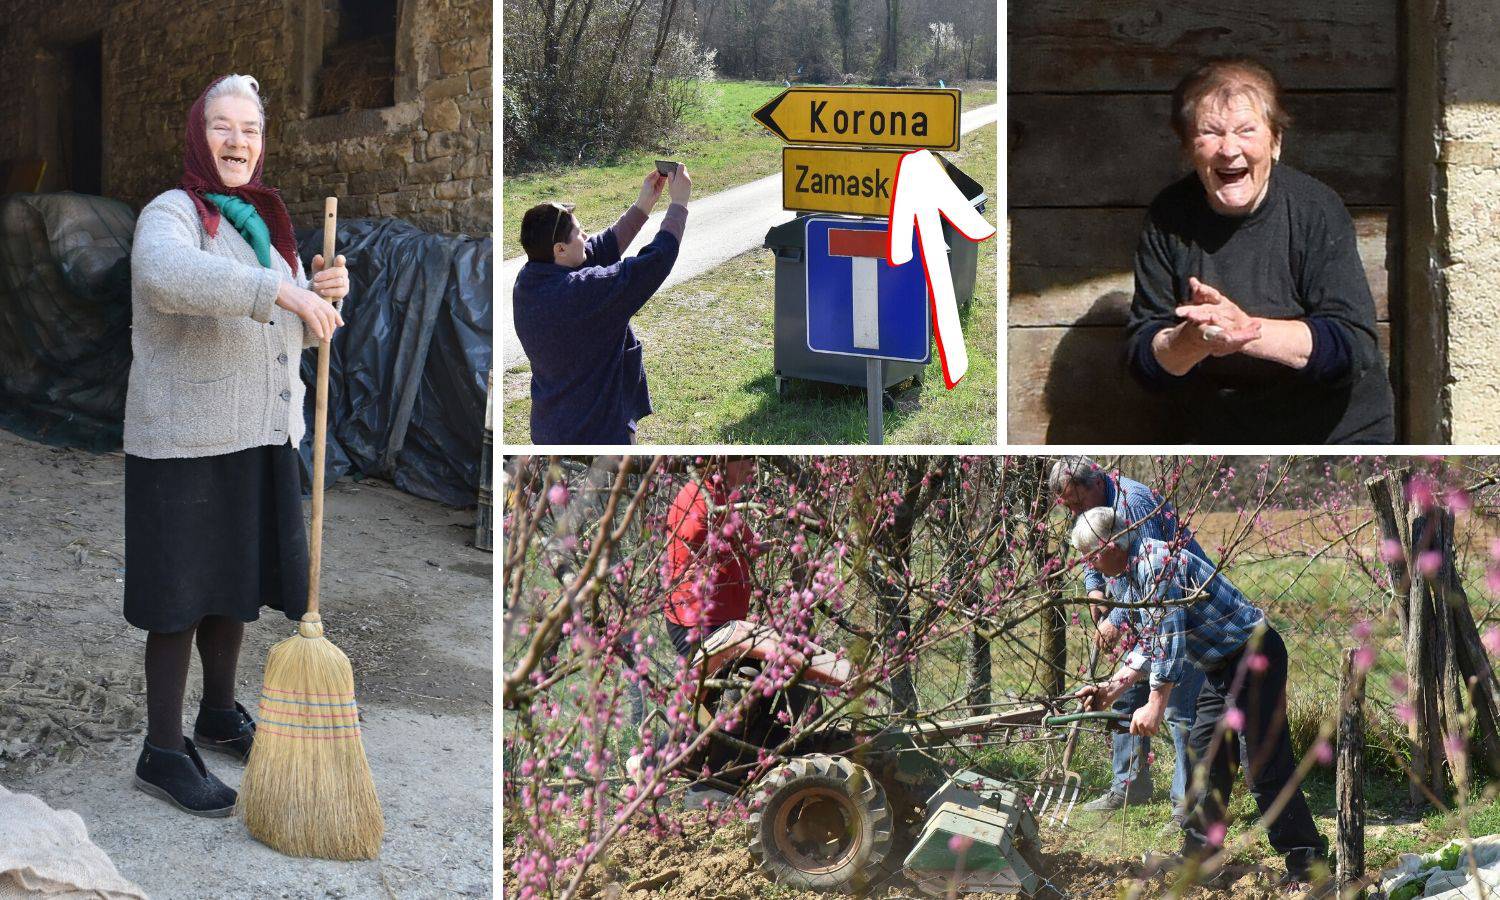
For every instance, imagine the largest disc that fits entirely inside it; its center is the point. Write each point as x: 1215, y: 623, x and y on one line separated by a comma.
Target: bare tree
x: 890, y: 48
x: 842, y: 12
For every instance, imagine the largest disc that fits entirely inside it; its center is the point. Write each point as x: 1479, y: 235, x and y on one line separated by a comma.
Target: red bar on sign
x: 852, y: 242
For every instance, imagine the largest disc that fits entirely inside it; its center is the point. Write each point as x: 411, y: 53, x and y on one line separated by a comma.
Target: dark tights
x: 167, y: 657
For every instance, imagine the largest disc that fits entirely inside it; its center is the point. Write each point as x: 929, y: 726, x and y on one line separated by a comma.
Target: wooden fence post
x: 1388, y: 493
x: 1350, y: 780
x: 1448, y: 671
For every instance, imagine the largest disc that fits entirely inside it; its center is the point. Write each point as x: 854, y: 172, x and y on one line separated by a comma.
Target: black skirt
x: 214, y: 536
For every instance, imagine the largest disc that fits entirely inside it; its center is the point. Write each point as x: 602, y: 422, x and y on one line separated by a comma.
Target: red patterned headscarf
x: 200, y: 176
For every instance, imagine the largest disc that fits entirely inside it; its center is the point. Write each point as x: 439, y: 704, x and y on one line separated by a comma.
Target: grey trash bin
x: 792, y: 359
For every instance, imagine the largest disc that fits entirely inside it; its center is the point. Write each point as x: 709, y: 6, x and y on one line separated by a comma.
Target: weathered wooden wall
x: 1090, y: 145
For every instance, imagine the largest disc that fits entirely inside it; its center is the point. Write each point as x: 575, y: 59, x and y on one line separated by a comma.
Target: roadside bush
x: 582, y: 85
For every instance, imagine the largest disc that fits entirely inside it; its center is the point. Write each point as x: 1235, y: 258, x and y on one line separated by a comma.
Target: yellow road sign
x: 857, y: 182
x: 913, y: 118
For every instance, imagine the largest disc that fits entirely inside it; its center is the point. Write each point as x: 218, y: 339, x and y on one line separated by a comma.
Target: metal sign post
x: 875, y: 400
x: 859, y: 305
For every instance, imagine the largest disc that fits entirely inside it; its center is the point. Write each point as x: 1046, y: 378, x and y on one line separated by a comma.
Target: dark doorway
x: 359, y: 56
x: 81, y: 117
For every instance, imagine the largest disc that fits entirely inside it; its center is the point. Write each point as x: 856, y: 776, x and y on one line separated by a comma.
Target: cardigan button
x: 281, y: 359
x: 286, y: 395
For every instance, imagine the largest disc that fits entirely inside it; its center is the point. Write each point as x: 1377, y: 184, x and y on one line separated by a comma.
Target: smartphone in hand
x: 665, y: 167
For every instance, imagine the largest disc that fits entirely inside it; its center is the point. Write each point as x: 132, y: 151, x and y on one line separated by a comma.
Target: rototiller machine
x: 850, y: 806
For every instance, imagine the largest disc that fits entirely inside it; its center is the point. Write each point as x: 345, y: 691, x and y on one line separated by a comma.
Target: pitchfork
x: 1063, y: 783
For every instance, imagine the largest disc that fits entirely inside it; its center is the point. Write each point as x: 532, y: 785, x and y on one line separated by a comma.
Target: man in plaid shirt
x: 1080, y: 484
x: 1197, y: 618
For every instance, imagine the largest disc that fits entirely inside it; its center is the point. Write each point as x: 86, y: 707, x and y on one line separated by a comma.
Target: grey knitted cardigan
x: 216, y: 360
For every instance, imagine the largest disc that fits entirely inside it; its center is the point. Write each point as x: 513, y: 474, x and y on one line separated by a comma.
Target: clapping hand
x: 1217, y: 321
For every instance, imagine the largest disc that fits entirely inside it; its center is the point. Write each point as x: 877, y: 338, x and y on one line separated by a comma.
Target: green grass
x: 717, y: 140
x: 721, y: 145
x: 709, y: 349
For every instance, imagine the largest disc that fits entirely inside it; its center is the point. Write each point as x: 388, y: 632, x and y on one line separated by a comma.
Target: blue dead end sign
x: 857, y: 303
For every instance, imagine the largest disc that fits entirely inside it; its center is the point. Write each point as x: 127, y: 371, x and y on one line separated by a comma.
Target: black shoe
x: 1302, y: 884
x: 229, y: 731
x: 181, y: 779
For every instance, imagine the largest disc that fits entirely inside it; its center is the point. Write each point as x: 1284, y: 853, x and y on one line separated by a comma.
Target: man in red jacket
x: 709, y: 551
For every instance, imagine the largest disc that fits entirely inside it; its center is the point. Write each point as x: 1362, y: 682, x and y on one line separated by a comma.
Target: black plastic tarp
x: 65, y: 316
x: 408, y: 374
x: 407, y: 382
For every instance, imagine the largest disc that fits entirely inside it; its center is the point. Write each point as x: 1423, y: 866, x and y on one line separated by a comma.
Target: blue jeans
x: 1182, y: 711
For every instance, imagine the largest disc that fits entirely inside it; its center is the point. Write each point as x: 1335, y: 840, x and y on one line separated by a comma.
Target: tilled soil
x: 50, y: 713
x: 709, y: 863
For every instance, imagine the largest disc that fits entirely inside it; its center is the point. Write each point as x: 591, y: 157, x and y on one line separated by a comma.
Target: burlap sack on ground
x: 46, y: 852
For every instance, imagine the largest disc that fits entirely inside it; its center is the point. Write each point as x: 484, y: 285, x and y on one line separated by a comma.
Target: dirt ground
x: 714, y: 864
x: 405, y: 595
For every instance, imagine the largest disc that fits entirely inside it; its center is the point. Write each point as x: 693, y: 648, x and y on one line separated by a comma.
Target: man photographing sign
x: 573, y: 303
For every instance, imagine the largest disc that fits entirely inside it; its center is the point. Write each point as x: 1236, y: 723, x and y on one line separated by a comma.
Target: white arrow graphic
x: 922, y: 193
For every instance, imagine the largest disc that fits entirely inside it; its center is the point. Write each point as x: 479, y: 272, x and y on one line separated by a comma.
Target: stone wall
x: 425, y: 159
x: 1453, y: 221
x: 1471, y: 161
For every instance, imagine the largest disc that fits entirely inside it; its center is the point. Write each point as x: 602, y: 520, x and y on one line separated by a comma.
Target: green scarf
x: 242, y: 215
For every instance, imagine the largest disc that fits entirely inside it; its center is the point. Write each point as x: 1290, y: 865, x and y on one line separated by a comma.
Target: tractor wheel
x: 820, y: 823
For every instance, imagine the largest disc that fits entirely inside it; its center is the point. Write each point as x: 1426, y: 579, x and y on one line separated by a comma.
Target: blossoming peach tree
x: 935, y: 584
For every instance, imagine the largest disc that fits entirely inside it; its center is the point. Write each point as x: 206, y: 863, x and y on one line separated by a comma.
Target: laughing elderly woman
x: 213, y: 417
x: 1251, y: 306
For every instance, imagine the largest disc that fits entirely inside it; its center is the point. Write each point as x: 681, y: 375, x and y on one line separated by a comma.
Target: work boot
x: 1109, y: 802
x: 181, y: 779
x: 1173, y: 826
x: 1302, y: 885
x: 229, y: 731
x: 1306, y: 873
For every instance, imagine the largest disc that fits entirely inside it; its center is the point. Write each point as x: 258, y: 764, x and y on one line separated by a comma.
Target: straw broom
x: 307, y: 789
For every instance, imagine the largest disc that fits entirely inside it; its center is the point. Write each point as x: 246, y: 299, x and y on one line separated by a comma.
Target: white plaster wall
x: 1470, y: 159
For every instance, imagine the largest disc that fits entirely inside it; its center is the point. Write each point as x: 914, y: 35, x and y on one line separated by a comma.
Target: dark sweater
x: 588, y: 380
x: 1293, y: 258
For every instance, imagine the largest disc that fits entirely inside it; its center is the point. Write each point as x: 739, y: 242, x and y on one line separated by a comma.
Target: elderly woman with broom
x: 213, y: 417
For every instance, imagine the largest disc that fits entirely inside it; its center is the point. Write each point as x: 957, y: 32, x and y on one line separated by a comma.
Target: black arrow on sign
x: 764, y: 116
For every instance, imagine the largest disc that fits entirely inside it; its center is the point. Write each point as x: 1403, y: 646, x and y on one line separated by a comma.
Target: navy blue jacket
x: 588, y: 380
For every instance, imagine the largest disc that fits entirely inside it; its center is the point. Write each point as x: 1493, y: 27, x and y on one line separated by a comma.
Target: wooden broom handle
x: 320, y: 427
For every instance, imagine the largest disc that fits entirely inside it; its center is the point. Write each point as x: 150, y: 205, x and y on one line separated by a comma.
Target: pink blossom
x: 1398, y: 684
x: 1458, y: 500
x: 1455, y: 744
x: 1495, y: 549
x: 1362, y: 630
x: 1491, y: 640
x: 1324, y: 752
x: 1234, y: 718
x: 1216, y: 834
x: 1364, y: 658
x: 1390, y: 550
x: 1420, y: 491
x: 1429, y: 562
x: 558, y: 495
x: 1257, y: 662
x: 1492, y: 580
x: 960, y: 843
x: 1405, y: 713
